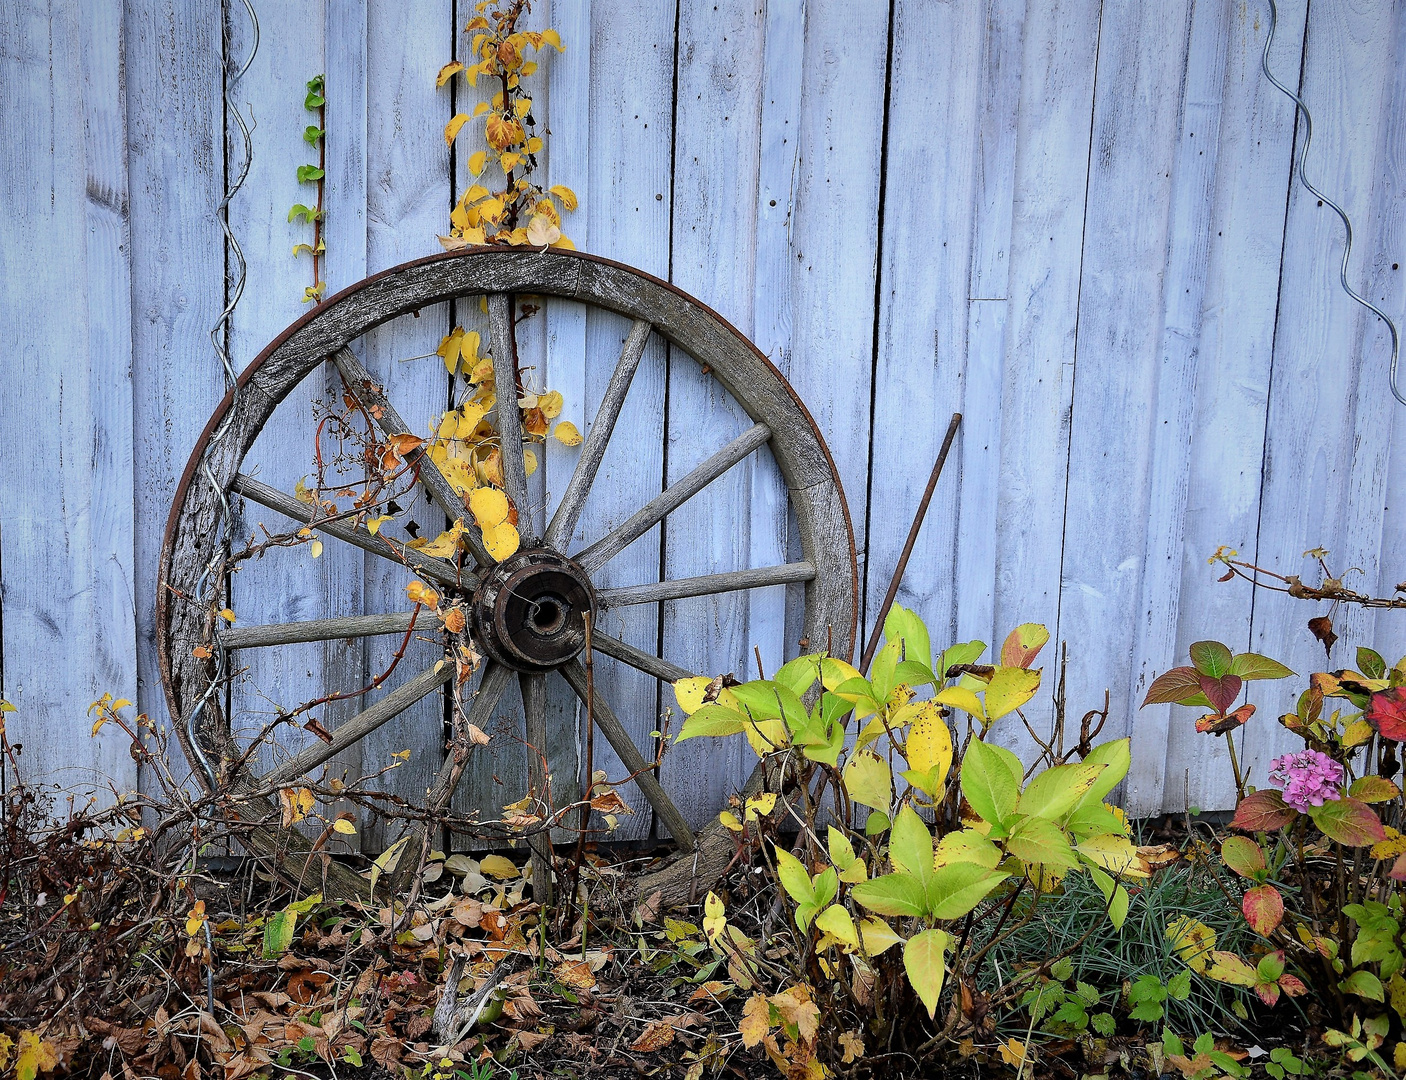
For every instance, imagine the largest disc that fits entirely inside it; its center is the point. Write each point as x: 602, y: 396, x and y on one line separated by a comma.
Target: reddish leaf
x: 1292, y: 985
x: 1398, y: 869
x: 1387, y: 713
x: 1322, y: 628
x: 1173, y: 686
x: 1211, y: 658
x: 1268, y: 992
x: 1024, y: 644
x: 1264, y: 910
x: 1372, y: 789
x: 1221, y: 690
x: 1264, y: 811
x: 1349, y: 822
x: 1216, y: 724
x: 1242, y: 855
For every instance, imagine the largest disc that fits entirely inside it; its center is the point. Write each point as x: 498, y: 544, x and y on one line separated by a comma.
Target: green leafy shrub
x: 932, y: 831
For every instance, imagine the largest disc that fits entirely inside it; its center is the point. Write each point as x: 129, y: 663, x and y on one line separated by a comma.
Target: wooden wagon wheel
x: 528, y: 609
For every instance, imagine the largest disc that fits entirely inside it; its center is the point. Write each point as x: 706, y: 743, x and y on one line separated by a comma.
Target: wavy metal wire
x: 1342, y: 214
x: 210, y: 584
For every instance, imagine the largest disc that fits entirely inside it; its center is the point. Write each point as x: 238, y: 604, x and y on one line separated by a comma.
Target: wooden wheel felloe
x: 529, y: 612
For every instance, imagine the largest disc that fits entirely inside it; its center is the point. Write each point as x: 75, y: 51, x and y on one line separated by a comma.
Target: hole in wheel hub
x: 529, y: 610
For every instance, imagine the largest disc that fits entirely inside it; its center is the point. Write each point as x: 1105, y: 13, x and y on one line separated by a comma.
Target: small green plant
x: 314, y: 135
x: 1205, y: 1062
x: 1148, y: 994
x: 1282, y: 1063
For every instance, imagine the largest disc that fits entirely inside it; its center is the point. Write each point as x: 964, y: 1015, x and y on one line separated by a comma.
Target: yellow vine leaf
x: 565, y: 194
x: 878, y: 935
x: 343, y: 826
x: 502, y: 132
x: 550, y: 403
x: 420, y: 593
x: 451, y: 129
x: 477, y: 162
x: 489, y: 506
x: 501, y: 540
x: 566, y: 433
x: 529, y: 461
x: 448, y: 72
x: 480, y: 108
x: 296, y: 804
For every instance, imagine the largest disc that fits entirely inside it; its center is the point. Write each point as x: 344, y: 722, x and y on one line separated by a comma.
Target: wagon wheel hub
x: 530, y: 610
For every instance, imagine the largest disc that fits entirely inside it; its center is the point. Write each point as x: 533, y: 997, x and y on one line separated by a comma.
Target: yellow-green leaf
x: 959, y: 697
x: 836, y: 922
x: 925, y: 962
x: 878, y: 935
x: 1009, y: 689
x: 868, y: 780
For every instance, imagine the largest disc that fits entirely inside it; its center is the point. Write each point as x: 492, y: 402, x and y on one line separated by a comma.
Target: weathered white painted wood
x: 1324, y: 468
x: 1047, y: 225
x: 782, y: 78
x: 408, y: 195
x: 625, y: 190
x: 718, y: 119
x: 979, y: 499
x: 1183, y: 286
x: 66, y: 542
x: 567, y: 110
x: 1388, y: 247
x: 1226, y: 430
x: 1141, y: 61
x: 175, y: 153
x: 286, y: 585
x: 924, y: 272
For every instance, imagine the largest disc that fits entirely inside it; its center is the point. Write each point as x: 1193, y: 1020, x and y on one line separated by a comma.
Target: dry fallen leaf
x: 658, y: 1035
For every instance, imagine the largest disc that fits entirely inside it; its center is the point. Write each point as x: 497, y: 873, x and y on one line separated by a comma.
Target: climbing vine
x: 314, y: 135
x: 520, y: 212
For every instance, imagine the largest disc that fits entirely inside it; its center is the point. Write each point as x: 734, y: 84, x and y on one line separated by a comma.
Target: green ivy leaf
x: 309, y: 173
x: 990, y: 783
x: 312, y: 133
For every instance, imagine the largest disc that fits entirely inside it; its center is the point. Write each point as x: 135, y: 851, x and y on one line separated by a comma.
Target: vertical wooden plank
x: 626, y: 197
x: 1176, y: 368
x: 1225, y: 431
x: 1054, y: 127
x: 567, y: 112
x: 924, y: 273
x: 286, y: 585
x: 822, y: 135
x: 344, y: 52
x: 66, y: 543
x: 1324, y: 463
x: 408, y: 193
x: 1387, y: 254
x: 987, y: 307
x: 1141, y: 63
x: 772, y: 326
x: 718, y: 119
x: 176, y: 160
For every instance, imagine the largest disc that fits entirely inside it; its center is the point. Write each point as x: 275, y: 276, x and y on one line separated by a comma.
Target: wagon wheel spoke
x: 707, y: 585
x: 495, y: 680
x: 534, y: 707
x: 365, y: 389
x: 638, y: 658
x: 362, y: 724
x: 350, y: 626
x: 644, y: 519
x: 574, y: 498
x: 500, y: 328
x: 441, y: 570
x: 625, y: 749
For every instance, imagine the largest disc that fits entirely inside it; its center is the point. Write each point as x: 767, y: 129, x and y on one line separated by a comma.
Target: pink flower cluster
x: 1308, y: 779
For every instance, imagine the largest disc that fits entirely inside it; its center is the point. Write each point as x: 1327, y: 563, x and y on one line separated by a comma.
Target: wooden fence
x: 1073, y: 221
